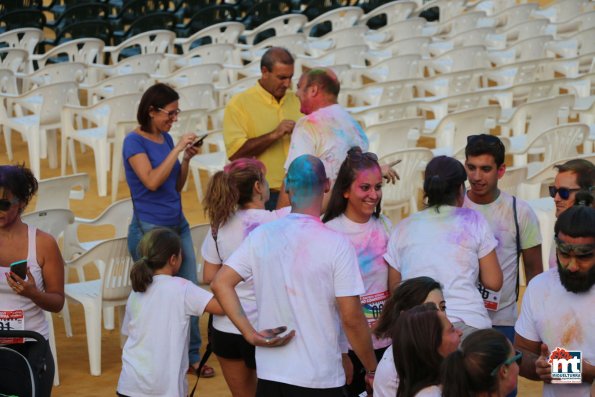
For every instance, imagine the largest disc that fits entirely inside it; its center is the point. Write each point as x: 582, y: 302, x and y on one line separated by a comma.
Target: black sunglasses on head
x: 5, y: 204
x: 357, y: 155
x: 564, y: 192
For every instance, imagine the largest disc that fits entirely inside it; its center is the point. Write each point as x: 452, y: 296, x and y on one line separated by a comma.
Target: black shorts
x: 233, y: 346
x: 269, y: 388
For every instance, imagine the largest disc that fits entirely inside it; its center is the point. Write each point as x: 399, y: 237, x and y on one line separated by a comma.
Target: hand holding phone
x: 199, y: 141
x: 19, y: 268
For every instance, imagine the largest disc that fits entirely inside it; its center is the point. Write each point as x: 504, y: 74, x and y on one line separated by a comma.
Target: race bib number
x: 372, y: 305
x: 12, y: 320
x: 491, y: 299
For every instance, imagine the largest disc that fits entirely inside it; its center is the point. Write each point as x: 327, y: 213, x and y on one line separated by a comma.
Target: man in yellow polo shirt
x: 258, y: 122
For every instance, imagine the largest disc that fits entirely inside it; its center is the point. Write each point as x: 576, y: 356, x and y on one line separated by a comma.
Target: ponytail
x: 454, y: 376
x: 156, y: 247
x: 231, y: 189
x: 443, y: 179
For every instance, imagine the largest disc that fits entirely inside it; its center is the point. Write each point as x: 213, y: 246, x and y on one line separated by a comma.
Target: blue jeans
x: 508, y: 331
x: 187, y: 269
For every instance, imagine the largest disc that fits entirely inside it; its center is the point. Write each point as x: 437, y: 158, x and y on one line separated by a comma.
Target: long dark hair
x: 155, y: 97
x: 417, y: 336
x: 468, y: 371
x: 409, y: 293
x: 443, y: 179
x: 355, y: 162
x: 156, y: 248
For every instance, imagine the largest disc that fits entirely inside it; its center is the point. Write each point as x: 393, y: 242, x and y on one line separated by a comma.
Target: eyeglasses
x: 5, y: 204
x: 518, y: 357
x: 357, y: 155
x: 564, y: 192
x: 170, y: 114
x: 578, y: 249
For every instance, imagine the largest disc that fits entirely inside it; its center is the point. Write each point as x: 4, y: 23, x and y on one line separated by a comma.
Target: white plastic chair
x: 561, y: 10
x: 191, y: 120
x: 282, y: 25
x: 376, y: 94
x: 226, y: 93
x: 339, y: 18
x: 337, y: 38
x: 452, y: 130
x: 523, y: 50
x: 23, y: 38
x: 209, y: 73
x: 110, y: 290
x: 56, y: 73
x: 210, y: 162
x: 15, y: 59
x: 555, y: 143
x: 88, y: 51
x: 58, y: 191
x: 197, y: 96
x: 151, y: 42
x: 403, y: 194
x: 459, y: 59
x: 390, y: 136
x: 525, y: 30
x: 122, y: 128
x: 545, y: 209
x: 460, y: 23
x: 143, y: 63
x: 405, y: 29
x: 355, y: 56
x: 117, y: 85
x: 514, y: 15
x: 448, y: 8
x: 104, y: 116
x: 512, y: 179
x: 219, y: 33
x: 38, y: 124
x: 295, y: 43
x: 394, y: 11
x: 583, y: 21
x: 198, y: 234
x: 580, y: 43
x: 371, y: 115
x: 220, y: 54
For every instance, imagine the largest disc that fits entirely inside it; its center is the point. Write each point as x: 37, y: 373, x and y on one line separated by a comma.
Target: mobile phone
x: 19, y: 268
x: 198, y: 142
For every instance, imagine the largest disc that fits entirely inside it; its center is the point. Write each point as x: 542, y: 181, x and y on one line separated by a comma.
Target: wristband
x: 370, y: 373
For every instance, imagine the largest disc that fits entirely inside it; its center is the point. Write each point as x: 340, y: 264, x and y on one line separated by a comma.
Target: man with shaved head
x: 258, y: 122
x: 306, y: 278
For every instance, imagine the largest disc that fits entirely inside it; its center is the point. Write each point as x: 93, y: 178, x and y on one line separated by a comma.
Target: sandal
x: 207, y: 372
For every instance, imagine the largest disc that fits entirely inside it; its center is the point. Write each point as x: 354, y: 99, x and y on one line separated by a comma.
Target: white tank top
x: 34, y: 317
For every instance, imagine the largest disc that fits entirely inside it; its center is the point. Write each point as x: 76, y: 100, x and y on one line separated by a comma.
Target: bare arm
x: 209, y: 272
x: 490, y: 273
x: 52, y: 270
x: 255, y: 146
x: 532, y: 262
x: 394, y: 278
x: 189, y: 152
x: 357, y: 330
x: 534, y: 364
x: 214, y: 307
x: 153, y: 178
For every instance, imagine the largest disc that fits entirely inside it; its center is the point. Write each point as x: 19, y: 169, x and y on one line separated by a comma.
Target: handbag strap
x: 518, y: 246
x: 203, y: 361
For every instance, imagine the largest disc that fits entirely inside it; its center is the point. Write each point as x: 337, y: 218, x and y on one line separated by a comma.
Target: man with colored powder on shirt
x: 512, y: 221
x: 327, y: 130
x: 306, y: 277
x: 556, y: 320
x: 258, y: 122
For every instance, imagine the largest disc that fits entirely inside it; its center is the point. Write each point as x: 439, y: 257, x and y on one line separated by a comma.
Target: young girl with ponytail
x: 157, y: 319
x: 486, y: 365
x: 453, y: 245
x: 234, y: 203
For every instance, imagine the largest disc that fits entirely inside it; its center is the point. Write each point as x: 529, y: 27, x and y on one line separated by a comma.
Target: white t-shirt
x: 430, y: 391
x: 328, y: 134
x: 299, y: 267
x: 157, y: 321
x: 229, y: 237
x: 500, y: 217
x: 558, y: 318
x: 446, y: 246
x: 369, y: 240
x: 386, y: 379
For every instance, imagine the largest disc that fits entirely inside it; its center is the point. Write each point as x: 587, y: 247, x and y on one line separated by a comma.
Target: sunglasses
x: 564, y: 192
x: 579, y: 250
x: 518, y: 357
x: 356, y: 155
x: 172, y: 113
x: 5, y: 204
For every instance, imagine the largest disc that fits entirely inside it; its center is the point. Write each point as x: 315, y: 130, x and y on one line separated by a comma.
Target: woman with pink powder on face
x: 354, y: 209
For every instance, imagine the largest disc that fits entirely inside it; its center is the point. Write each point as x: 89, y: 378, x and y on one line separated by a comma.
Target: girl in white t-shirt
x: 354, y: 209
x: 406, y: 295
x: 157, y: 319
x: 485, y: 365
x: 234, y: 202
x: 422, y: 338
